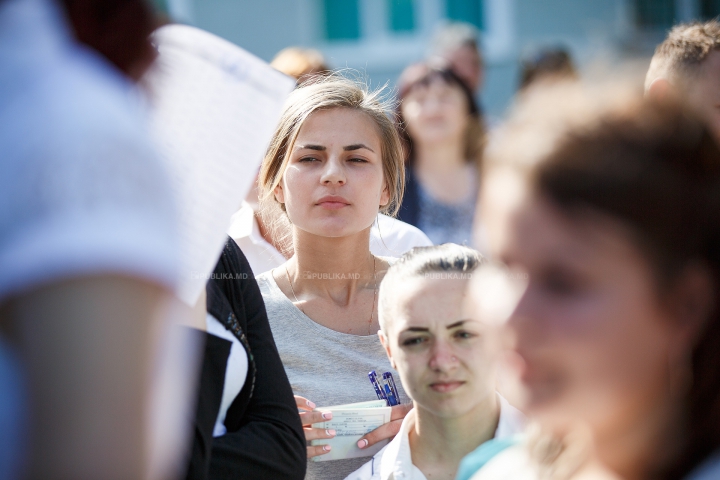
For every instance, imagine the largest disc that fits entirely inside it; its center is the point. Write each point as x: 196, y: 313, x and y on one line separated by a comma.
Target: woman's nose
x: 334, y: 172
x: 443, y: 358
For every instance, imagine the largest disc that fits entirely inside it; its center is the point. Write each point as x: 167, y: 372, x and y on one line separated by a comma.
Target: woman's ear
x: 694, y: 302
x: 385, y: 195
x: 386, y: 345
x: 279, y: 193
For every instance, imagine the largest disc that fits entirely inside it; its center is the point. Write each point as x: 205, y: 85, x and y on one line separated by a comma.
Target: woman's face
x: 592, y: 335
x: 445, y: 356
x: 334, y: 185
x: 436, y: 113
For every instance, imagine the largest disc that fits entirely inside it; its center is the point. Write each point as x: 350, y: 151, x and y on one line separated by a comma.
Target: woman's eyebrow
x: 357, y: 146
x: 416, y: 329
x: 456, y: 324
x: 319, y: 148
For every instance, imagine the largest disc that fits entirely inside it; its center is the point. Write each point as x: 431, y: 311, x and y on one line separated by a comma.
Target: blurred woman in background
x: 443, y: 136
x: 617, y: 334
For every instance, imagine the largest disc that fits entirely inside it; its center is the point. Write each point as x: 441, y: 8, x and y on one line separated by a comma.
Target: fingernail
x: 327, y: 415
x: 330, y: 432
x: 362, y: 443
x: 310, y: 404
x: 327, y: 448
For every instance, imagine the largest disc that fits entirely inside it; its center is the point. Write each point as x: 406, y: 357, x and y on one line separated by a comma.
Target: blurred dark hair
x: 655, y: 167
x: 422, y: 74
x: 546, y: 63
x: 117, y: 29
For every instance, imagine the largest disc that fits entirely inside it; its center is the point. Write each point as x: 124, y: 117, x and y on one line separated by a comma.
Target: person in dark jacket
x: 260, y: 435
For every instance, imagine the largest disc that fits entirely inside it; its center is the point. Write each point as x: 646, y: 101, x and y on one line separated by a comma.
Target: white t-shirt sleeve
x: 81, y: 189
x: 390, y: 237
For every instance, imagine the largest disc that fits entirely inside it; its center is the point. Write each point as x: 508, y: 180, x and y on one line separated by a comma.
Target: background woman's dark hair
x: 421, y: 74
x: 656, y: 168
x: 117, y: 29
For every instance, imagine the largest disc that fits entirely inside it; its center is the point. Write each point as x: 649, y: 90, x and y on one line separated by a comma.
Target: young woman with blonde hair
x: 334, y: 162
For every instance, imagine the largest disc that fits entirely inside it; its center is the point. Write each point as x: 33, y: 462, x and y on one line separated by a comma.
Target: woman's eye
x: 307, y: 159
x: 561, y: 284
x: 464, y: 335
x: 409, y: 342
x: 358, y: 160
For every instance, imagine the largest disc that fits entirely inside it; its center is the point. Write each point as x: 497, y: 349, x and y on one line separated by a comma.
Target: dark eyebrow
x: 357, y: 146
x: 456, y: 324
x: 416, y: 329
x: 319, y: 148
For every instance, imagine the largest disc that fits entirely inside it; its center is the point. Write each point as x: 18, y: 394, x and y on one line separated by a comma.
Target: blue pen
x: 392, y: 401
x: 388, y: 377
x: 374, y: 380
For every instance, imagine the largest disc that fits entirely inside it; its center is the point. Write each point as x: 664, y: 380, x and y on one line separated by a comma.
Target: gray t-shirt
x: 323, y: 365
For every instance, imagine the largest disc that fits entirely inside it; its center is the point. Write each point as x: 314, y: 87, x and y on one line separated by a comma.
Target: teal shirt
x: 477, y: 459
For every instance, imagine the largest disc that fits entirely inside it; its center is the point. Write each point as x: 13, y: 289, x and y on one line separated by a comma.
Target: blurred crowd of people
x: 545, y: 288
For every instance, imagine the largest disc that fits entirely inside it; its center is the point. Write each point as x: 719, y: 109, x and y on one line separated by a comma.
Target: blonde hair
x: 300, y: 62
x: 318, y: 94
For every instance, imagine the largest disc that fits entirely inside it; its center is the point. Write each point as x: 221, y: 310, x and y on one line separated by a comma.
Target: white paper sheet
x: 215, y: 107
x: 350, y: 423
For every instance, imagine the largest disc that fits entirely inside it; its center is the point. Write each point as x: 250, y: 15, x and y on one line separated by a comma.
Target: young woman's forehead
x: 344, y: 125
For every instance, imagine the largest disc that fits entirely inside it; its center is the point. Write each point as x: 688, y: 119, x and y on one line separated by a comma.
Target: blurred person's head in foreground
x: 445, y: 349
x: 688, y: 62
x: 547, y: 64
x: 300, y: 63
x: 117, y: 29
x: 437, y: 108
x: 615, y: 220
x: 458, y: 44
x: 334, y: 137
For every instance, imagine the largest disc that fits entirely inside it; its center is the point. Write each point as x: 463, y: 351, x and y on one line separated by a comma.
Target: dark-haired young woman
x: 443, y: 136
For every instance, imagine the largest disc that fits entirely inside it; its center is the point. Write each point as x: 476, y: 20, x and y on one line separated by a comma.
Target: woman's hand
x: 388, y: 430
x: 309, y: 417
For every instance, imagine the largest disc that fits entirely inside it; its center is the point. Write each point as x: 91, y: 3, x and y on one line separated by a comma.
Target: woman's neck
x: 438, y: 444
x: 648, y: 442
x: 324, y: 260
x: 440, y: 157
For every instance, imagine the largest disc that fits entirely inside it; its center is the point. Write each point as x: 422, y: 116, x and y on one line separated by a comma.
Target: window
x: 342, y: 19
x: 401, y: 14
x: 655, y: 14
x: 469, y: 11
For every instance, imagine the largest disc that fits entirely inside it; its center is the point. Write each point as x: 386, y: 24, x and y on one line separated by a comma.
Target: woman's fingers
x: 388, y: 430
x: 317, y: 450
x: 398, y: 412
x: 318, y: 433
x: 308, y: 418
x: 383, y: 432
x: 303, y: 403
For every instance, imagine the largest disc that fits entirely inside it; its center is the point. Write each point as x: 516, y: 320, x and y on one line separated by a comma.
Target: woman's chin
x: 335, y: 228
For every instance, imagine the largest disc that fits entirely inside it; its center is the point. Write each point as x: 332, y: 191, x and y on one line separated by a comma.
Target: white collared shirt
x: 388, y: 238
x: 394, y: 462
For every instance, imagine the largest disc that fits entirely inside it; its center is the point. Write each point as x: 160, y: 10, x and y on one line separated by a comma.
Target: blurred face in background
x: 436, y: 112
x: 333, y: 184
x: 467, y: 64
x: 593, y: 336
x: 444, y: 353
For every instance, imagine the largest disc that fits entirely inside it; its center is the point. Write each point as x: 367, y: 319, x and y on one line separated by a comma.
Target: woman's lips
x: 332, y: 202
x: 333, y: 205
x: 446, y: 387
